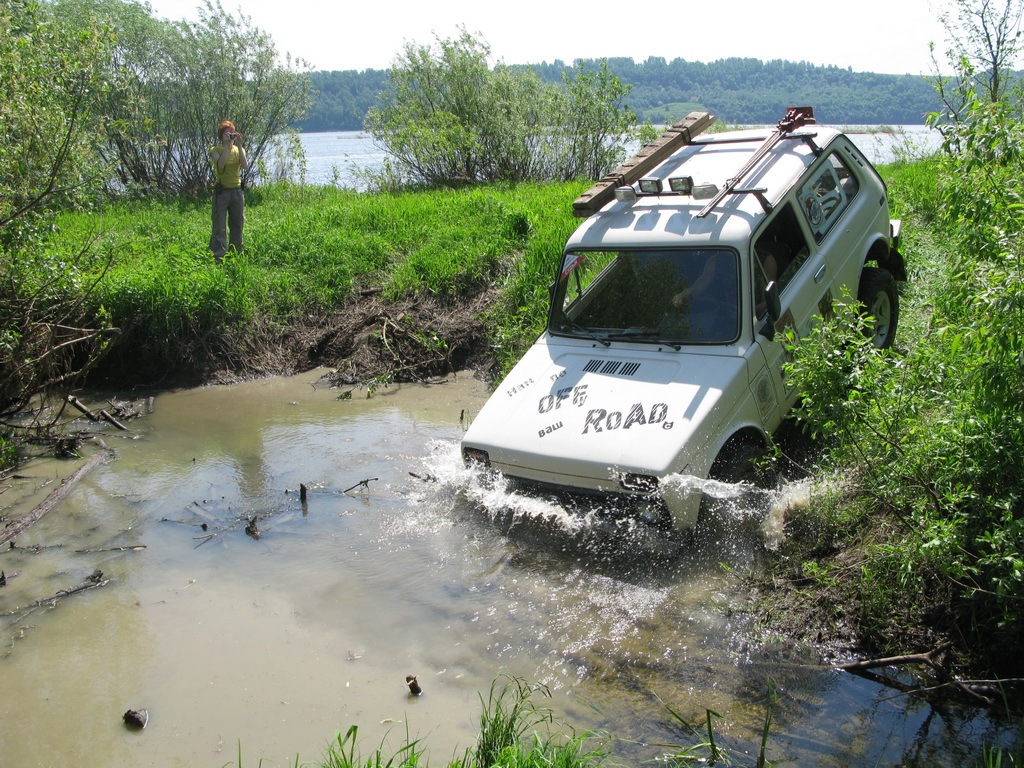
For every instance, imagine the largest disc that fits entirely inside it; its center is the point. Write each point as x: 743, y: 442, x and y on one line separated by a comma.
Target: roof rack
x: 649, y: 156
x: 796, y: 117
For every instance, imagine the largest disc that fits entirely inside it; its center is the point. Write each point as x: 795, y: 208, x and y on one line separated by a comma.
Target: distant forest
x: 743, y: 91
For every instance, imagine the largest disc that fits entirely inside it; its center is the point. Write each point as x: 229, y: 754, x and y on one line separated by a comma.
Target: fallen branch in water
x: 18, y: 526
x: 94, y: 580
x: 131, y: 548
x: 113, y: 421
x: 935, y: 660
x: 932, y: 659
x: 364, y: 483
x: 72, y: 400
x: 35, y: 549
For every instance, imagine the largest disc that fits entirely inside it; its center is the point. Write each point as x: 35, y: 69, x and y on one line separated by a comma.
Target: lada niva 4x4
x: 664, y: 347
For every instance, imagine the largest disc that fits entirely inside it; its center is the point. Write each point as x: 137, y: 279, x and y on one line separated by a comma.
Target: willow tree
x: 176, y: 80
x: 448, y: 117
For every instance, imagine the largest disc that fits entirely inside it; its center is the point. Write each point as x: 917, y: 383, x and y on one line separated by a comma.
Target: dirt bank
x: 368, y: 341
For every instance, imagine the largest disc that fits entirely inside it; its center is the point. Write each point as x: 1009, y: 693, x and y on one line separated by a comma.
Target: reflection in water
x: 272, y: 644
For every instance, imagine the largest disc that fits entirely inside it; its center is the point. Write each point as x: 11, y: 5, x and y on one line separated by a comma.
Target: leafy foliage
x: 449, y: 118
x: 50, y: 77
x: 176, y: 81
x: 931, y: 438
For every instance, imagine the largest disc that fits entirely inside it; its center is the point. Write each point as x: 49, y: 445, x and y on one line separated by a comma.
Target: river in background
x: 341, y: 158
x: 400, y: 561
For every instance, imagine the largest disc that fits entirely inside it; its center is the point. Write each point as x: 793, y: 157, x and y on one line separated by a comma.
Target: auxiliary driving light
x: 625, y: 194
x: 704, y: 191
x: 682, y: 185
x: 650, y: 186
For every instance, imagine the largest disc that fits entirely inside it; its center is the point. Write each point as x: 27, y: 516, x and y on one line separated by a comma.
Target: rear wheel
x: 877, y: 293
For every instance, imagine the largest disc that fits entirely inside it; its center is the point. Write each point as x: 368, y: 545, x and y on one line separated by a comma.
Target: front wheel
x: 877, y: 293
x: 740, y: 464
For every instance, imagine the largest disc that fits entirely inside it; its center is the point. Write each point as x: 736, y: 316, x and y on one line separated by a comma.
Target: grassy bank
x: 310, y: 250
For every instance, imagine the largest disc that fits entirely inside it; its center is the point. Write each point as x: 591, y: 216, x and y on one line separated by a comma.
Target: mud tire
x: 737, y: 463
x: 877, y: 294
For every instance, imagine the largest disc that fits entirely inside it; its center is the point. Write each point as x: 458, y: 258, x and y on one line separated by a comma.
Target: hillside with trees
x: 736, y: 90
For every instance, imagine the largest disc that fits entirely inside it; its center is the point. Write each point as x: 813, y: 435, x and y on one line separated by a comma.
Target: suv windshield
x: 664, y: 296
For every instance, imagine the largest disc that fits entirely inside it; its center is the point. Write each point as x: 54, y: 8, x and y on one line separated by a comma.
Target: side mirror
x: 774, y: 306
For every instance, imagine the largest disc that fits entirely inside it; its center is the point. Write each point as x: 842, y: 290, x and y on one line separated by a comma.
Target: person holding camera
x: 229, y: 160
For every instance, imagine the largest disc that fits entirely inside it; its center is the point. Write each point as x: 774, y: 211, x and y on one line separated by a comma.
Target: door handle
x: 820, y: 274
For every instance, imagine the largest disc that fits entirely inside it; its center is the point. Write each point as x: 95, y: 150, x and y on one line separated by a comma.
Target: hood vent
x: 611, y: 367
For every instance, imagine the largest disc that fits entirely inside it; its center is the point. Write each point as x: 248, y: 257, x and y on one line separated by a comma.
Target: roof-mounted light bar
x: 677, y: 185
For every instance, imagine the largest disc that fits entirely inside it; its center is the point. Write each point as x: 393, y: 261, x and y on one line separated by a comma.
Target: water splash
x: 504, y: 501
x: 496, y: 494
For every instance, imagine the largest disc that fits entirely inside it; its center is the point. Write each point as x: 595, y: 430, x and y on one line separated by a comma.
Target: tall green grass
x: 310, y: 249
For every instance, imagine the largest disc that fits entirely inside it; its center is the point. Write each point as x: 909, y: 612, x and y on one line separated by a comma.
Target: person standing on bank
x: 229, y: 160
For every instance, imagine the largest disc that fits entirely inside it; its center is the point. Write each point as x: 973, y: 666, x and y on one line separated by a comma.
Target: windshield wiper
x: 645, y: 337
x: 581, y: 330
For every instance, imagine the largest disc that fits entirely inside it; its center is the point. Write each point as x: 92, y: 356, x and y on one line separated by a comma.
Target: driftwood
x: 94, y: 580
x: 72, y: 400
x: 364, y: 483
x: 107, y: 417
x: 131, y: 548
x: 984, y: 692
x: 104, y: 414
x: 18, y: 526
x: 933, y: 659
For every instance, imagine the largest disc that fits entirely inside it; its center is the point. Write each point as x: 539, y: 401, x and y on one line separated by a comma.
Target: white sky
x: 888, y: 36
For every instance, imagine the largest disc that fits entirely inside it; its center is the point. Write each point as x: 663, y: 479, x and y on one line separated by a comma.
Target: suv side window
x: 779, y: 252
x: 827, y: 194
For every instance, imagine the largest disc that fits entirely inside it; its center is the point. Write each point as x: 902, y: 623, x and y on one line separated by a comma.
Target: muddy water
x: 399, y: 562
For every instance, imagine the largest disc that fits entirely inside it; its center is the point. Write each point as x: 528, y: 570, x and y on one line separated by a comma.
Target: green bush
x: 930, y: 437
x: 449, y: 118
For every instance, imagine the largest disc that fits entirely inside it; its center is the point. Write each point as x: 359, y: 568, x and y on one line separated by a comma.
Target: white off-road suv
x: 663, y: 354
